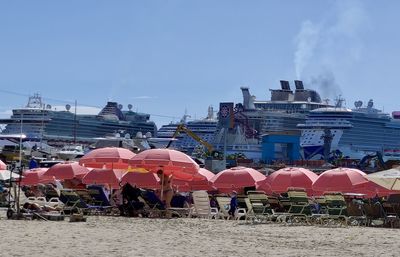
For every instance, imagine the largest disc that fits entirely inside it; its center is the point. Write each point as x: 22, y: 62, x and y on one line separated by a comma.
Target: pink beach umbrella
x: 36, y: 176
x: 3, y: 166
x: 200, y: 184
x: 236, y: 179
x: 103, y: 177
x: 67, y: 170
x: 285, y: 178
x: 172, y: 162
x: 147, y: 180
x: 343, y: 180
x: 107, y: 157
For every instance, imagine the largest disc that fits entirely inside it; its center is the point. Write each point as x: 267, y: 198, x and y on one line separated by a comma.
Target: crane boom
x: 183, y: 128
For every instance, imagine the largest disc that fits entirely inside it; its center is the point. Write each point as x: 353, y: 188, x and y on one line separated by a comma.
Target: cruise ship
x: 40, y: 122
x: 356, y: 133
x: 252, y: 118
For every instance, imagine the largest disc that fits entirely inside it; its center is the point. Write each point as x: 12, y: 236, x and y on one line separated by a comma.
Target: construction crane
x: 183, y: 128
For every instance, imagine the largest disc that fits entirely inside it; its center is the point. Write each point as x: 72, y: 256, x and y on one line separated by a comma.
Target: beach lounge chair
x: 300, y: 208
x: 259, y: 207
x: 202, y: 207
x: 356, y: 212
x: 336, y: 209
x: 98, y: 195
x: 392, y: 209
x: 51, y: 192
x: 72, y: 202
x: 224, y: 206
x: 375, y: 214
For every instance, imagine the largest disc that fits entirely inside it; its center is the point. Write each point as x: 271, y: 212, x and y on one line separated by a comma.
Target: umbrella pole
x: 162, y: 187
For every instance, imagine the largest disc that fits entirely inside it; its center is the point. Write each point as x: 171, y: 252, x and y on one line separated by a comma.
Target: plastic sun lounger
x: 300, y: 208
x: 336, y: 210
x: 356, y: 213
x: 202, y: 207
x: 259, y: 207
x: 72, y: 201
x: 224, y: 204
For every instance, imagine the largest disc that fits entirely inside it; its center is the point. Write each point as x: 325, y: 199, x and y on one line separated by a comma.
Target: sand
x: 119, y: 236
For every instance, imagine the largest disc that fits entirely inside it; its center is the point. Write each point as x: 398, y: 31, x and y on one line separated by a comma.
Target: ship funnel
x: 285, y: 85
x: 299, y: 85
x: 248, y: 100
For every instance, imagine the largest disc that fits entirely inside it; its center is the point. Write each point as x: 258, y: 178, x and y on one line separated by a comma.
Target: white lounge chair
x: 202, y: 206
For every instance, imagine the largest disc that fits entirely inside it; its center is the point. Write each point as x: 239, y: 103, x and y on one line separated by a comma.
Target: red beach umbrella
x: 370, y: 189
x: 342, y: 180
x: 67, y: 170
x: 141, y: 179
x: 36, y: 176
x: 285, y: 178
x: 201, y: 184
x: 172, y: 162
x: 107, y: 157
x: 236, y: 179
x: 3, y: 166
x: 103, y: 177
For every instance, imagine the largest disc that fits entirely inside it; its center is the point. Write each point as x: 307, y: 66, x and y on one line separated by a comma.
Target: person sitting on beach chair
x: 131, y: 206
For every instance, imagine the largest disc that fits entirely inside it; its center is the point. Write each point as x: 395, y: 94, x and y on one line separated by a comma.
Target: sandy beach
x: 118, y: 236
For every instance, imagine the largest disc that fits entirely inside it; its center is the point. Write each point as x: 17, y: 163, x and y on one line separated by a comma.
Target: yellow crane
x: 183, y: 128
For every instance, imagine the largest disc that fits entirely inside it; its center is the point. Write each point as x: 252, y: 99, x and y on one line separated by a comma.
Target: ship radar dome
x: 370, y: 103
x: 130, y: 107
x: 120, y: 106
x: 48, y: 106
x: 148, y: 135
x: 68, y: 107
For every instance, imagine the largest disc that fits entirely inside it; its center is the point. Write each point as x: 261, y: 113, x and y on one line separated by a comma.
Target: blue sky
x: 167, y: 56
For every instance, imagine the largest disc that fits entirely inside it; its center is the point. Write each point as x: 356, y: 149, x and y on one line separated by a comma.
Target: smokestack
x: 248, y: 102
x: 285, y: 85
x: 299, y: 85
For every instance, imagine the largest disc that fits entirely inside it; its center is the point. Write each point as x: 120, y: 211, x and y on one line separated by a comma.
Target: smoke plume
x: 330, y: 46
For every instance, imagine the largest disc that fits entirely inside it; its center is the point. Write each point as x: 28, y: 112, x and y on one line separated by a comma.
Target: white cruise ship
x: 356, y: 132
x: 254, y: 118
